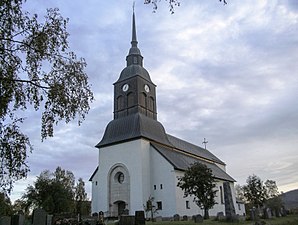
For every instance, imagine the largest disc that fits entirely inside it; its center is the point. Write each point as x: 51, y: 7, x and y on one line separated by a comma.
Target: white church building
x: 138, y: 160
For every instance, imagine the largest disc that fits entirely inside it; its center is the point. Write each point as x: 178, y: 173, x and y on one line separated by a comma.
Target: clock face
x: 147, y: 88
x: 125, y: 87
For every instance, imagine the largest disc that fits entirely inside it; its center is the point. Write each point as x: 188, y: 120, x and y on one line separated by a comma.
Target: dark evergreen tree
x: 198, y: 182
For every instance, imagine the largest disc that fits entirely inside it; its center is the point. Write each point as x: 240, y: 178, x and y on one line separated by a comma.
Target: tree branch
x: 26, y: 81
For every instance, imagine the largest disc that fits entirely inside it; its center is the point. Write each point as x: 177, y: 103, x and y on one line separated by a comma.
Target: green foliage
x: 172, y: 4
x: 80, y: 196
x: 37, y: 70
x: 198, y: 181
x: 55, y: 192
x: 5, y: 205
x: 255, y: 191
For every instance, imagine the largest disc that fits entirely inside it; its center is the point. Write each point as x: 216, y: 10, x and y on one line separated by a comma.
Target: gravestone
x: 39, y: 217
x: 158, y: 219
x: 4, y: 220
x: 229, y: 204
x: 139, y: 218
x: 49, y: 219
x: 198, y: 218
x: 101, y: 218
x: 176, y: 217
x: 220, y: 216
x: 267, y: 213
x: 127, y: 220
x: 17, y: 219
x: 185, y: 218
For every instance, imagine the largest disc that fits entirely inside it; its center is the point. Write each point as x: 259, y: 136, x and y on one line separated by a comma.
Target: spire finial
x: 134, y: 41
x: 133, y: 6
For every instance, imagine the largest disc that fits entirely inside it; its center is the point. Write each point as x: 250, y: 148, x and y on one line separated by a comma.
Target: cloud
x: 224, y: 72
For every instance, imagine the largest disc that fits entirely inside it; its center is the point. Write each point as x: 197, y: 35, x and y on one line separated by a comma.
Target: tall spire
x: 134, y: 56
x: 134, y: 42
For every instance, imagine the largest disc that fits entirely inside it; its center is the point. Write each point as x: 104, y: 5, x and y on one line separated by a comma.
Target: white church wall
x: 133, y: 156
x: 162, y: 184
x: 184, y: 208
x: 94, y: 187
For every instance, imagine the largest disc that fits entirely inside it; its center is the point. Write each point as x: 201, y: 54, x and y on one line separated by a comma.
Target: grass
x: 288, y: 220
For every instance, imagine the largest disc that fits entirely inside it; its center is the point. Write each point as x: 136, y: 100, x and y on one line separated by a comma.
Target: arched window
x: 151, y: 103
x: 143, y: 99
x: 120, y: 102
x: 130, y: 99
x: 221, y: 195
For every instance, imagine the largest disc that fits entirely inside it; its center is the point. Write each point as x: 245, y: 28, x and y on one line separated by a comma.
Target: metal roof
x: 193, y: 149
x: 132, y: 127
x: 182, y: 161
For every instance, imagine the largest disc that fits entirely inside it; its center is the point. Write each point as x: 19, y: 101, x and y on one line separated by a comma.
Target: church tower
x: 135, y: 113
x: 134, y: 92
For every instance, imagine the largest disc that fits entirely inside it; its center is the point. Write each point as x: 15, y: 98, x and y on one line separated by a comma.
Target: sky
x: 227, y: 73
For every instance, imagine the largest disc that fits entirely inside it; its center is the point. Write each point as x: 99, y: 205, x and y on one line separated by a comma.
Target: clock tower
x: 135, y: 114
x: 134, y: 92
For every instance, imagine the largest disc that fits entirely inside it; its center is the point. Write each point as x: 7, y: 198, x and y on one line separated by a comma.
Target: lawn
x: 288, y: 220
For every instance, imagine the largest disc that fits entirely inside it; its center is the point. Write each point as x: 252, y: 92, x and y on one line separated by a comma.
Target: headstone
x: 49, y: 219
x: 220, y: 216
x: 158, y: 219
x: 101, y: 218
x: 267, y: 213
x: 39, y: 217
x: 127, y: 220
x: 17, y: 220
x: 185, y: 218
x: 4, y: 220
x: 198, y: 218
x: 139, y: 218
x: 229, y: 204
x: 176, y: 217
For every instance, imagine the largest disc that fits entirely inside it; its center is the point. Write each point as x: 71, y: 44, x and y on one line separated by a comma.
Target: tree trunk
x: 206, y: 214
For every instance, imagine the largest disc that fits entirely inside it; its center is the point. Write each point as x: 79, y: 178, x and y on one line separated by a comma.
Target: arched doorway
x: 119, y: 190
x: 121, y: 206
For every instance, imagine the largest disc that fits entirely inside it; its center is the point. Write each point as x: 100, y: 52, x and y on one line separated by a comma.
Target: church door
x: 121, y: 207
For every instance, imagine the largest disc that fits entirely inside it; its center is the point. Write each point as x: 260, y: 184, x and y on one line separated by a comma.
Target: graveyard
x: 40, y: 217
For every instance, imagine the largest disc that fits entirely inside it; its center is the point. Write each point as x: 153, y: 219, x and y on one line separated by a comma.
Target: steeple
x: 134, y: 56
x: 135, y: 113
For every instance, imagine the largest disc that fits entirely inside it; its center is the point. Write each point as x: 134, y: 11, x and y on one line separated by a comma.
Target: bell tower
x: 134, y: 92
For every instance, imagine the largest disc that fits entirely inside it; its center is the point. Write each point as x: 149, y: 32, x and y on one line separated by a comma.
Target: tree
x: 38, y: 72
x: 273, y: 201
x: 239, y: 192
x: 172, y: 4
x: 80, y: 196
x: 255, y: 191
x: 5, y: 205
x: 198, y: 181
x: 53, y: 192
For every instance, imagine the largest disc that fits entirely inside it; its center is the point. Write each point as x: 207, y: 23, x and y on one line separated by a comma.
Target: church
x: 139, y: 161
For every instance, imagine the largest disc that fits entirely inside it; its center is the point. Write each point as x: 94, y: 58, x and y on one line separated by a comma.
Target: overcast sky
x: 228, y: 73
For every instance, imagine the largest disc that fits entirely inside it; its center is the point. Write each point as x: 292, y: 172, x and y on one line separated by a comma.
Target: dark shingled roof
x: 193, y: 149
x: 182, y: 161
x: 134, y: 70
x: 132, y: 127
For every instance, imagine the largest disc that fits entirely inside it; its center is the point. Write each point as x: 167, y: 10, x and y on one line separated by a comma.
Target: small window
x: 135, y: 60
x: 221, y: 195
x: 160, y: 186
x: 239, y: 207
x: 154, y: 186
x: 159, y: 205
x: 95, y: 182
x: 187, y: 205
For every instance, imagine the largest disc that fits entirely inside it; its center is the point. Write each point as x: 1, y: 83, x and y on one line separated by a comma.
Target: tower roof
x: 134, y: 59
